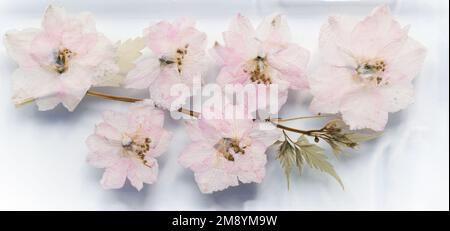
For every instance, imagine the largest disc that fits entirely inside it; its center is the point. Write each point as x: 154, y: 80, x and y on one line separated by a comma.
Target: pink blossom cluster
x: 365, y: 72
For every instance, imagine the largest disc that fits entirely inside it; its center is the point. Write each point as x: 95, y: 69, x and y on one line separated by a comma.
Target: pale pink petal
x: 376, y: 32
x: 81, y: 44
x: 242, y: 25
x: 43, y: 49
x: 266, y: 137
x: 69, y: 89
x: 251, y: 165
x: 194, y: 63
x: 97, y: 48
x: 215, y: 180
x: 334, y: 41
x: 144, y: 117
x: 143, y: 74
x: 162, y: 38
x: 241, y: 37
x: 53, y: 18
x: 115, y: 176
x: 195, y: 156
x: 247, y: 48
x: 160, y: 92
x: 329, y: 86
x: 291, y: 63
x: 274, y: 28
x: 407, y: 63
x: 161, y: 143
x: 74, y: 85
x: 18, y: 46
x: 105, y: 130
x: 193, y: 130
x: 118, y: 120
x: 102, y: 153
x: 138, y: 173
x: 47, y: 103
x: 397, y: 97
x: 28, y: 84
x: 364, y: 109
x: 226, y: 56
x: 232, y: 75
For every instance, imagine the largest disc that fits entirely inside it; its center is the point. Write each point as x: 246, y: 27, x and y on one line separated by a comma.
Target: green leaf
x: 361, y: 137
x: 315, y: 157
x: 336, y: 147
x: 286, y: 155
x: 298, y: 160
x: 276, y: 143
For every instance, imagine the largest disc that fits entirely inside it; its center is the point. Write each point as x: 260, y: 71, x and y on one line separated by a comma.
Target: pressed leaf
x: 336, y: 147
x: 286, y: 155
x: 361, y: 137
x: 128, y: 52
x: 276, y: 143
x: 298, y: 160
x: 314, y: 156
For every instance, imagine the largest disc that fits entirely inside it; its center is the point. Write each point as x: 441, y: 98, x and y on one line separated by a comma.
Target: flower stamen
x: 228, y: 147
x: 135, y: 148
x: 62, y: 58
x: 178, y: 60
x: 371, y: 71
x: 258, y: 71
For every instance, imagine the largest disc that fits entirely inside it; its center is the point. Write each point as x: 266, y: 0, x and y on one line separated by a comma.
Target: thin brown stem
x: 112, y: 97
x: 303, y: 132
x: 298, y: 118
x: 189, y: 112
x: 133, y: 100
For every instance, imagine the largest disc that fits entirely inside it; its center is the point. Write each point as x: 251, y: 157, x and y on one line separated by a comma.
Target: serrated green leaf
x: 361, y: 137
x: 336, y: 147
x: 286, y: 155
x: 276, y: 143
x: 298, y: 160
x: 315, y: 157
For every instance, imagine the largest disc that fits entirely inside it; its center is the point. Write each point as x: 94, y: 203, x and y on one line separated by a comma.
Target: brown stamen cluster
x: 371, y: 71
x: 179, y: 57
x: 62, y: 60
x: 226, y: 145
x: 258, y: 73
x: 137, y: 149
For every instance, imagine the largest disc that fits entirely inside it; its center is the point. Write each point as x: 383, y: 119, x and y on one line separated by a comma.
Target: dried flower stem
x: 298, y: 118
x: 193, y: 113
x: 303, y: 132
x: 133, y: 100
x: 112, y: 97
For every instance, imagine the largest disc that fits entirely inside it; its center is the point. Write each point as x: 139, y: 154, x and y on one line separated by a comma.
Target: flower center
x: 136, y: 148
x: 371, y: 71
x: 178, y: 59
x: 62, y: 59
x: 258, y: 70
x: 229, y: 147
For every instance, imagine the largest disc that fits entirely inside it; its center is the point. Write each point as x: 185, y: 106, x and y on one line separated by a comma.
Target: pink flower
x: 126, y: 145
x: 225, y: 151
x: 367, y: 69
x: 60, y: 62
x: 261, y: 56
x: 177, y: 57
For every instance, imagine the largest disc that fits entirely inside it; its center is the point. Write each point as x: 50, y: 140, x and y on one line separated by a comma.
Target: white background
x: 42, y: 154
